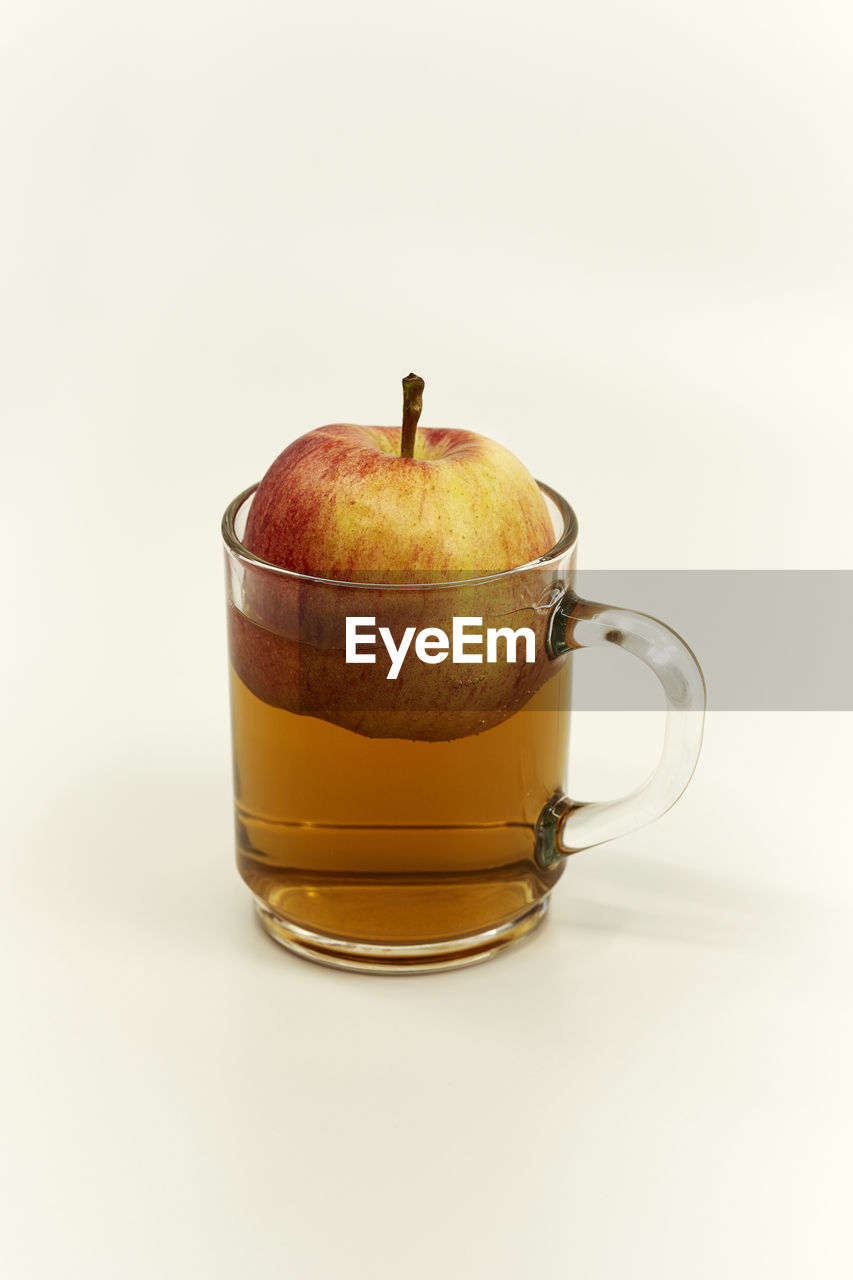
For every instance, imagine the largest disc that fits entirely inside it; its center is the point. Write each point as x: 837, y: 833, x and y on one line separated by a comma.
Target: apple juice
x: 391, y: 841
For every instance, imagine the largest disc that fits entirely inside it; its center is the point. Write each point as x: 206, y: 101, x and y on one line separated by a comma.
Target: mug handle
x: 565, y: 826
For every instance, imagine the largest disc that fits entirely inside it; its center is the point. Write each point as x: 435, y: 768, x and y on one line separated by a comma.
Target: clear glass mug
x: 421, y: 822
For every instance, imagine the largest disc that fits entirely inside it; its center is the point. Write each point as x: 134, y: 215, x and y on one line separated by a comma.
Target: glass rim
x: 564, y: 543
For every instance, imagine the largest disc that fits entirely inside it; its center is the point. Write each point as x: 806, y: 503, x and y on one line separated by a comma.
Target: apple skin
x: 340, y: 504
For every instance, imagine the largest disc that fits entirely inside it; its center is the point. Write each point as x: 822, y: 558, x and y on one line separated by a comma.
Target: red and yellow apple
x: 344, y: 504
x: 341, y: 503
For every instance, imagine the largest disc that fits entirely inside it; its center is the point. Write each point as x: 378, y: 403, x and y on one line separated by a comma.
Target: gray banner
x: 775, y: 640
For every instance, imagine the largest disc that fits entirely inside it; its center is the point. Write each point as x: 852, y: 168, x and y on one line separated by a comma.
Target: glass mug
x: 420, y: 822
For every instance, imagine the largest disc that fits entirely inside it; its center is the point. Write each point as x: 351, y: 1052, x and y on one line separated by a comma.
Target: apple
x: 341, y: 502
x: 356, y: 508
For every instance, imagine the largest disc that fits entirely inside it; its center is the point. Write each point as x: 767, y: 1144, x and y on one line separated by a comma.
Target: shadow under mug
x: 420, y: 822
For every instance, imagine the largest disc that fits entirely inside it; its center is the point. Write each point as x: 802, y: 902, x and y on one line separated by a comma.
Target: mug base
x: 361, y: 957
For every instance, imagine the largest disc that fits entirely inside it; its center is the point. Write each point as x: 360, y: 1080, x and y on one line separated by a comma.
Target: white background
x: 615, y: 236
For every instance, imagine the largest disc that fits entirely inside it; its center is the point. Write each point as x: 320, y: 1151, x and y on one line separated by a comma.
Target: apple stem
x: 413, y: 392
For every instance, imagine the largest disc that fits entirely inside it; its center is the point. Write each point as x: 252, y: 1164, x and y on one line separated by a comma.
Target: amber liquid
x: 390, y: 841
